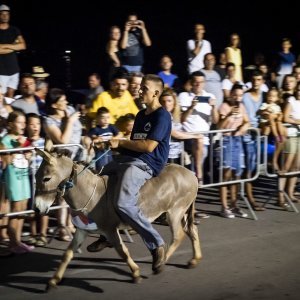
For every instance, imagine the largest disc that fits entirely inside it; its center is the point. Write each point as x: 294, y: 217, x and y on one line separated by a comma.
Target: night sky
x: 50, y: 27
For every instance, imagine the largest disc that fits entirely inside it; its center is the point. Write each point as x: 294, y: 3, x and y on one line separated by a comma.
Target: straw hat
x: 39, y: 72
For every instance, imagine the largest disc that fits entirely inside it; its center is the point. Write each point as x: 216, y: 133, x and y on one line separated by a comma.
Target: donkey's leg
x: 116, y: 240
x: 174, y: 216
x: 192, y: 231
x: 78, y: 239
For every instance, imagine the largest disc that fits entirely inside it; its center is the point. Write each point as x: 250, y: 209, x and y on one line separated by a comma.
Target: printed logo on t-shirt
x: 147, y: 126
x: 140, y: 136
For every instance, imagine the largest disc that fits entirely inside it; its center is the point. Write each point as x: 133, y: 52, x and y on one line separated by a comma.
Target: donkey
x: 174, y: 191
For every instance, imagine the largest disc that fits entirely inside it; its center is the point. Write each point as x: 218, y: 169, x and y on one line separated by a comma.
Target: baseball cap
x: 4, y: 7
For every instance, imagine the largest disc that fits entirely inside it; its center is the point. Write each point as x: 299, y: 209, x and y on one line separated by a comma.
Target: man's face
x: 119, y: 86
x: 4, y: 16
x: 148, y: 92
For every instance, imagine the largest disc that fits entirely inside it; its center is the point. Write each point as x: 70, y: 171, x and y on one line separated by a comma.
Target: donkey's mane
x: 59, y: 152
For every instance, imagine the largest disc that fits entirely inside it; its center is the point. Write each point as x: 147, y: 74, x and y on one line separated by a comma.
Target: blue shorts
x: 233, y: 154
x: 250, y: 149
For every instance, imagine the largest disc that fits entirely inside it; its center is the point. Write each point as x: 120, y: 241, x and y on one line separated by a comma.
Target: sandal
x: 283, y: 205
x: 64, y: 236
x: 257, y: 207
x: 31, y: 241
x: 41, y: 241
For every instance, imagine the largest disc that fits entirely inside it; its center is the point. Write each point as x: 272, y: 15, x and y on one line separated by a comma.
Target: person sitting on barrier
x: 291, y: 115
x: 271, y: 122
x: 233, y: 115
x: 16, y: 178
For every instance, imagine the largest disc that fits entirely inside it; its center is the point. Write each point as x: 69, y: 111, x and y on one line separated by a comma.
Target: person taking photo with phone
x: 197, y: 116
x: 135, y: 38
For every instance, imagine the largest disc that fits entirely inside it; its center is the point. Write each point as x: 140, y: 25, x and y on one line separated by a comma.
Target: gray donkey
x: 174, y: 192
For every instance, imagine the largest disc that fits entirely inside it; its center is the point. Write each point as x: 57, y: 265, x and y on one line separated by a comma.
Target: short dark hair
x: 32, y: 115
x: 196, y: 74
x: 102, y: 110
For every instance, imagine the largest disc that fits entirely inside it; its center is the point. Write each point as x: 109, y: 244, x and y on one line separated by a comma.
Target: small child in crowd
x: 34, y: 131
x: 101, y: 133
x: 271, y: 122
x: 16, y: 178
x: 125, y: 124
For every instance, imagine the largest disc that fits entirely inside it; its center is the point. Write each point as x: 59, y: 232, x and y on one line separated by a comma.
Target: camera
x: 202, y: 99
x: 135, y: 23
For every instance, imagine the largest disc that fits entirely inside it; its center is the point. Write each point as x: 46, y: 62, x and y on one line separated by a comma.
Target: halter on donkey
x: 174, y: 191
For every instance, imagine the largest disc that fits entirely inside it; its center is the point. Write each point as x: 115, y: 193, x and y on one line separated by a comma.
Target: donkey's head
x: 54, y: 169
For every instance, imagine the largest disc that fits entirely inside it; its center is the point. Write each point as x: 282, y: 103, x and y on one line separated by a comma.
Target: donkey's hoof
x: 193, y: 263
x: 137, y: 279
x: 50, y: 287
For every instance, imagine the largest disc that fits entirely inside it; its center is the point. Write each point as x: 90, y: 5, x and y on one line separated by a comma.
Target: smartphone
x: 202, y: 99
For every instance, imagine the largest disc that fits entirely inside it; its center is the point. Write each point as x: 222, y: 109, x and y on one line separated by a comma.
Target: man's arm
x: 18, y: 45
x: 135, y: 145
x: 124, y: 39
x: 187, y: 113
x: 146, y: 39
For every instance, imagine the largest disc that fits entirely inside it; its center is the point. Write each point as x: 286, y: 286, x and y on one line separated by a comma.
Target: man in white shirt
x: 198, y: 113
x: 196, y: 49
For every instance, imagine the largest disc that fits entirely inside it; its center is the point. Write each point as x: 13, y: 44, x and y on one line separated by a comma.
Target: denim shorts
x: 233, y: 154
x: 250, y: 149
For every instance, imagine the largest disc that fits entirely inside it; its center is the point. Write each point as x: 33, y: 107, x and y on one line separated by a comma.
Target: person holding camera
x: 135, y: 37
x: 198, y: 112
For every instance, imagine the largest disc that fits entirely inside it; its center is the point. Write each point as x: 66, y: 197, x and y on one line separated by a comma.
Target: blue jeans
x: 132, y: 173
x: 132, y: 68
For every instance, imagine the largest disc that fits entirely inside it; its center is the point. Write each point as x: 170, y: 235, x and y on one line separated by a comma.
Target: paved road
x: 242, y: 259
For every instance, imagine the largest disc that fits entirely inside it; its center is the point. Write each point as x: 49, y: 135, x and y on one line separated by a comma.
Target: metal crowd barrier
x: 25, y: 149
x: 241, y: 181
x: 264, y: 170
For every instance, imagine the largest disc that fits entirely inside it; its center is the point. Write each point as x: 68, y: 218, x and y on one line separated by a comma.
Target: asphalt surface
x: 242, y: 259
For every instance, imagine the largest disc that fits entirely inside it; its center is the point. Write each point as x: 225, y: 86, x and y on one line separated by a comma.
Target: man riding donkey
x: 143, y: 156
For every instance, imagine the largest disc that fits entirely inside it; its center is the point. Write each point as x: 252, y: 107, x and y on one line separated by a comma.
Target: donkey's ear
x: 48, y: 145
x: 46, y: 156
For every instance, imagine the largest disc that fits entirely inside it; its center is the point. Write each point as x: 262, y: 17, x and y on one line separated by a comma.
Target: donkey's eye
x: 46, y: 179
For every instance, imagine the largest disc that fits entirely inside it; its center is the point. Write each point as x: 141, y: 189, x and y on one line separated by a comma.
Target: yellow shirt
x: 234, y: 55
x: 117, y: 107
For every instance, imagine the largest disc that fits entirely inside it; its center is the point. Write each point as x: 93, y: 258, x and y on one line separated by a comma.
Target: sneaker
x: 227, y: 213
x: 99, y: 245
x: 238, y: 212
x: 200, y: 182
x: 159, y: 257
x: 27, y: 247
x: 201, y: 215
x: 18, y: 250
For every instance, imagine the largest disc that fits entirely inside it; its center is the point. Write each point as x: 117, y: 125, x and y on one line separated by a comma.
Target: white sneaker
x: 227, y: 213
x: 238, y: 212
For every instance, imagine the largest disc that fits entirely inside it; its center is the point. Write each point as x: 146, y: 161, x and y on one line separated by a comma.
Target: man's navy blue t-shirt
x: 154, y: 126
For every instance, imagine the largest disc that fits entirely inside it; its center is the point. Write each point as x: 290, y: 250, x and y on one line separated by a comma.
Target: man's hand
x: 114, y: 143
